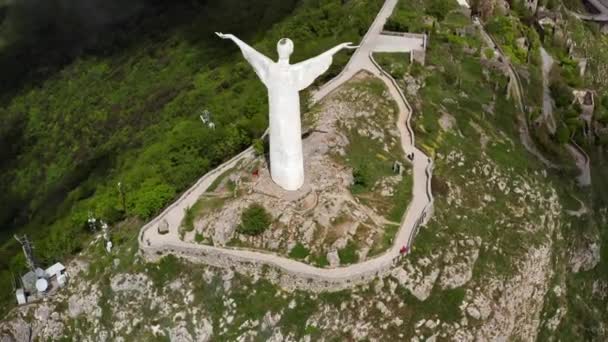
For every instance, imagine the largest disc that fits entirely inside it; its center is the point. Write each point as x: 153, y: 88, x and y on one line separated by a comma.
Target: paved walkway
x: 373, y: 40
x: 547, y: 116
x: 297, y: 274
x: 582, y: 161
x: 601, y: 6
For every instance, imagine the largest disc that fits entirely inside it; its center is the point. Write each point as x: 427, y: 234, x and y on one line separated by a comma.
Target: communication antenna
x: 28, y: 250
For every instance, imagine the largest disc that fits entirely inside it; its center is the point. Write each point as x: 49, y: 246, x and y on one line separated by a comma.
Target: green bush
x: 348, y: 254
x: 167, y: 269
x: 488, y: 53
x: 320, y: 260
x: 299, y: 251
x: 361, y: 179
x: 188, y: 220
x: 258, y: 146
x: 563, y: 134
x: 416, y: 69
x: 561, y: 93
x: 254, y: 220
x: 439, y: 8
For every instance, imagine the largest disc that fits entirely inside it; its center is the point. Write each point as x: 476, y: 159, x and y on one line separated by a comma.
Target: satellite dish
x: 42, y: 285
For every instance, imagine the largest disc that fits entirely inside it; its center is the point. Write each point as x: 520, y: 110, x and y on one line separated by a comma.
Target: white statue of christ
x: 284, y: 81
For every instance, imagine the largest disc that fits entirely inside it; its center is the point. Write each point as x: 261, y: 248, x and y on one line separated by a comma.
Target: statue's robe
x: 284, y: 82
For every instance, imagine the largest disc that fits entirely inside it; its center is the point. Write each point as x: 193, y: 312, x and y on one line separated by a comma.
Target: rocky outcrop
x: 459, y: 261
x: 516, y: 313
x: 585, y: 257
x: 419, y: 278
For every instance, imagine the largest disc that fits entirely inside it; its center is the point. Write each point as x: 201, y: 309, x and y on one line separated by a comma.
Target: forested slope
x: 118, y: 101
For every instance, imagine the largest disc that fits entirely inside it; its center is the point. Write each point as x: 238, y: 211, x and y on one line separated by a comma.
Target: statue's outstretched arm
x: 258, y: 61
x: 339, y: 47
x: 307, y: 71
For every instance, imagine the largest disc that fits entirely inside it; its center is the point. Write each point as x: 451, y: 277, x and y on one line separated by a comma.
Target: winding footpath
x: 579, y: 155
x: 581, y: 158
x: 601, y: 6
x: 547, y: 116
x: 294, y: 274
x: 516, y: 87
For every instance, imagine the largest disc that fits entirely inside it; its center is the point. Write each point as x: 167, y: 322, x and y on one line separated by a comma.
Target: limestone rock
x: 333, y: 258
x: 473, y: 312
x: 585, y: 258
x: 163, y: 227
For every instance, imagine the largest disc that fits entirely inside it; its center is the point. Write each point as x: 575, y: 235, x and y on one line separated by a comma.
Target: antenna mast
x: 28, y: 250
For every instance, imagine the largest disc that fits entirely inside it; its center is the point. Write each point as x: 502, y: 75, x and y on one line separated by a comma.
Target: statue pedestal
x: 264, y: 185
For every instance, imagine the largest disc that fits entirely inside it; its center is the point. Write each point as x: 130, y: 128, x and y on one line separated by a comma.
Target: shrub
x: 361, y: 179
x: 254, y: 220
x: 416, y: 69
x: 299, y: 251
x: 561, y: 93
x: 439, y: 8
x: 258, y: 146
x: 188, y: 220
x: 488, y: 53
x: 348, y: 254
x: 166, y: 270
x: 563, y: 134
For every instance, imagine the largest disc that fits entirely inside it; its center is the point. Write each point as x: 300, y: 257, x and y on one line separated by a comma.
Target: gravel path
x: 547, y: 100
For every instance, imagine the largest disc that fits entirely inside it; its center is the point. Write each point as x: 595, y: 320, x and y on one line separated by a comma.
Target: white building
x: 20, y: 296
x: 58, y: 271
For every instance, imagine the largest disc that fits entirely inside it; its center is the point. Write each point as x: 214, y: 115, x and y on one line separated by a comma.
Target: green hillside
x: 127, y: 111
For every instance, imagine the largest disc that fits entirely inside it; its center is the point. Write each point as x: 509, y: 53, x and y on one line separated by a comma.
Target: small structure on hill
x: 20, y: 297
x: 206, y: 119
x: 412, y: 43
x: 398, y: 167
x: 37, y: 282
x: 585, y: 100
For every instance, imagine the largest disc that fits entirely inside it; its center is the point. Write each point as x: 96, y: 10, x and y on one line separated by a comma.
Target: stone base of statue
x: 265, y: 185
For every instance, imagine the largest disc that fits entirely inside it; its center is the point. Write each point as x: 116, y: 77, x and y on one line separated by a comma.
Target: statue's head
x: 285, y: 48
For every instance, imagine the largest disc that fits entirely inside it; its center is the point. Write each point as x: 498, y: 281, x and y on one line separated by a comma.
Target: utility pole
x: 122, y: 198
x: 14, y: 282
x: 28, y: 250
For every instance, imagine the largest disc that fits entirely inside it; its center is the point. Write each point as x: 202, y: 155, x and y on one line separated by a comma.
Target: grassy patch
x: 201, y: 207
x: 220, y: 179
x: 348, y: 254
x: 395, y: 63
x: 372, y: 159
x: 385, y: 239
x: 320, y: 260
x: 167, y: 269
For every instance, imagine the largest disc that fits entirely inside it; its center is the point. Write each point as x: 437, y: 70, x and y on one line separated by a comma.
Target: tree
x: 439, y: 8
x: 254, y: 220
x: 563, y: 134
x: 561, y: 93
x: 361, y: 178
x: 258, y: 146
